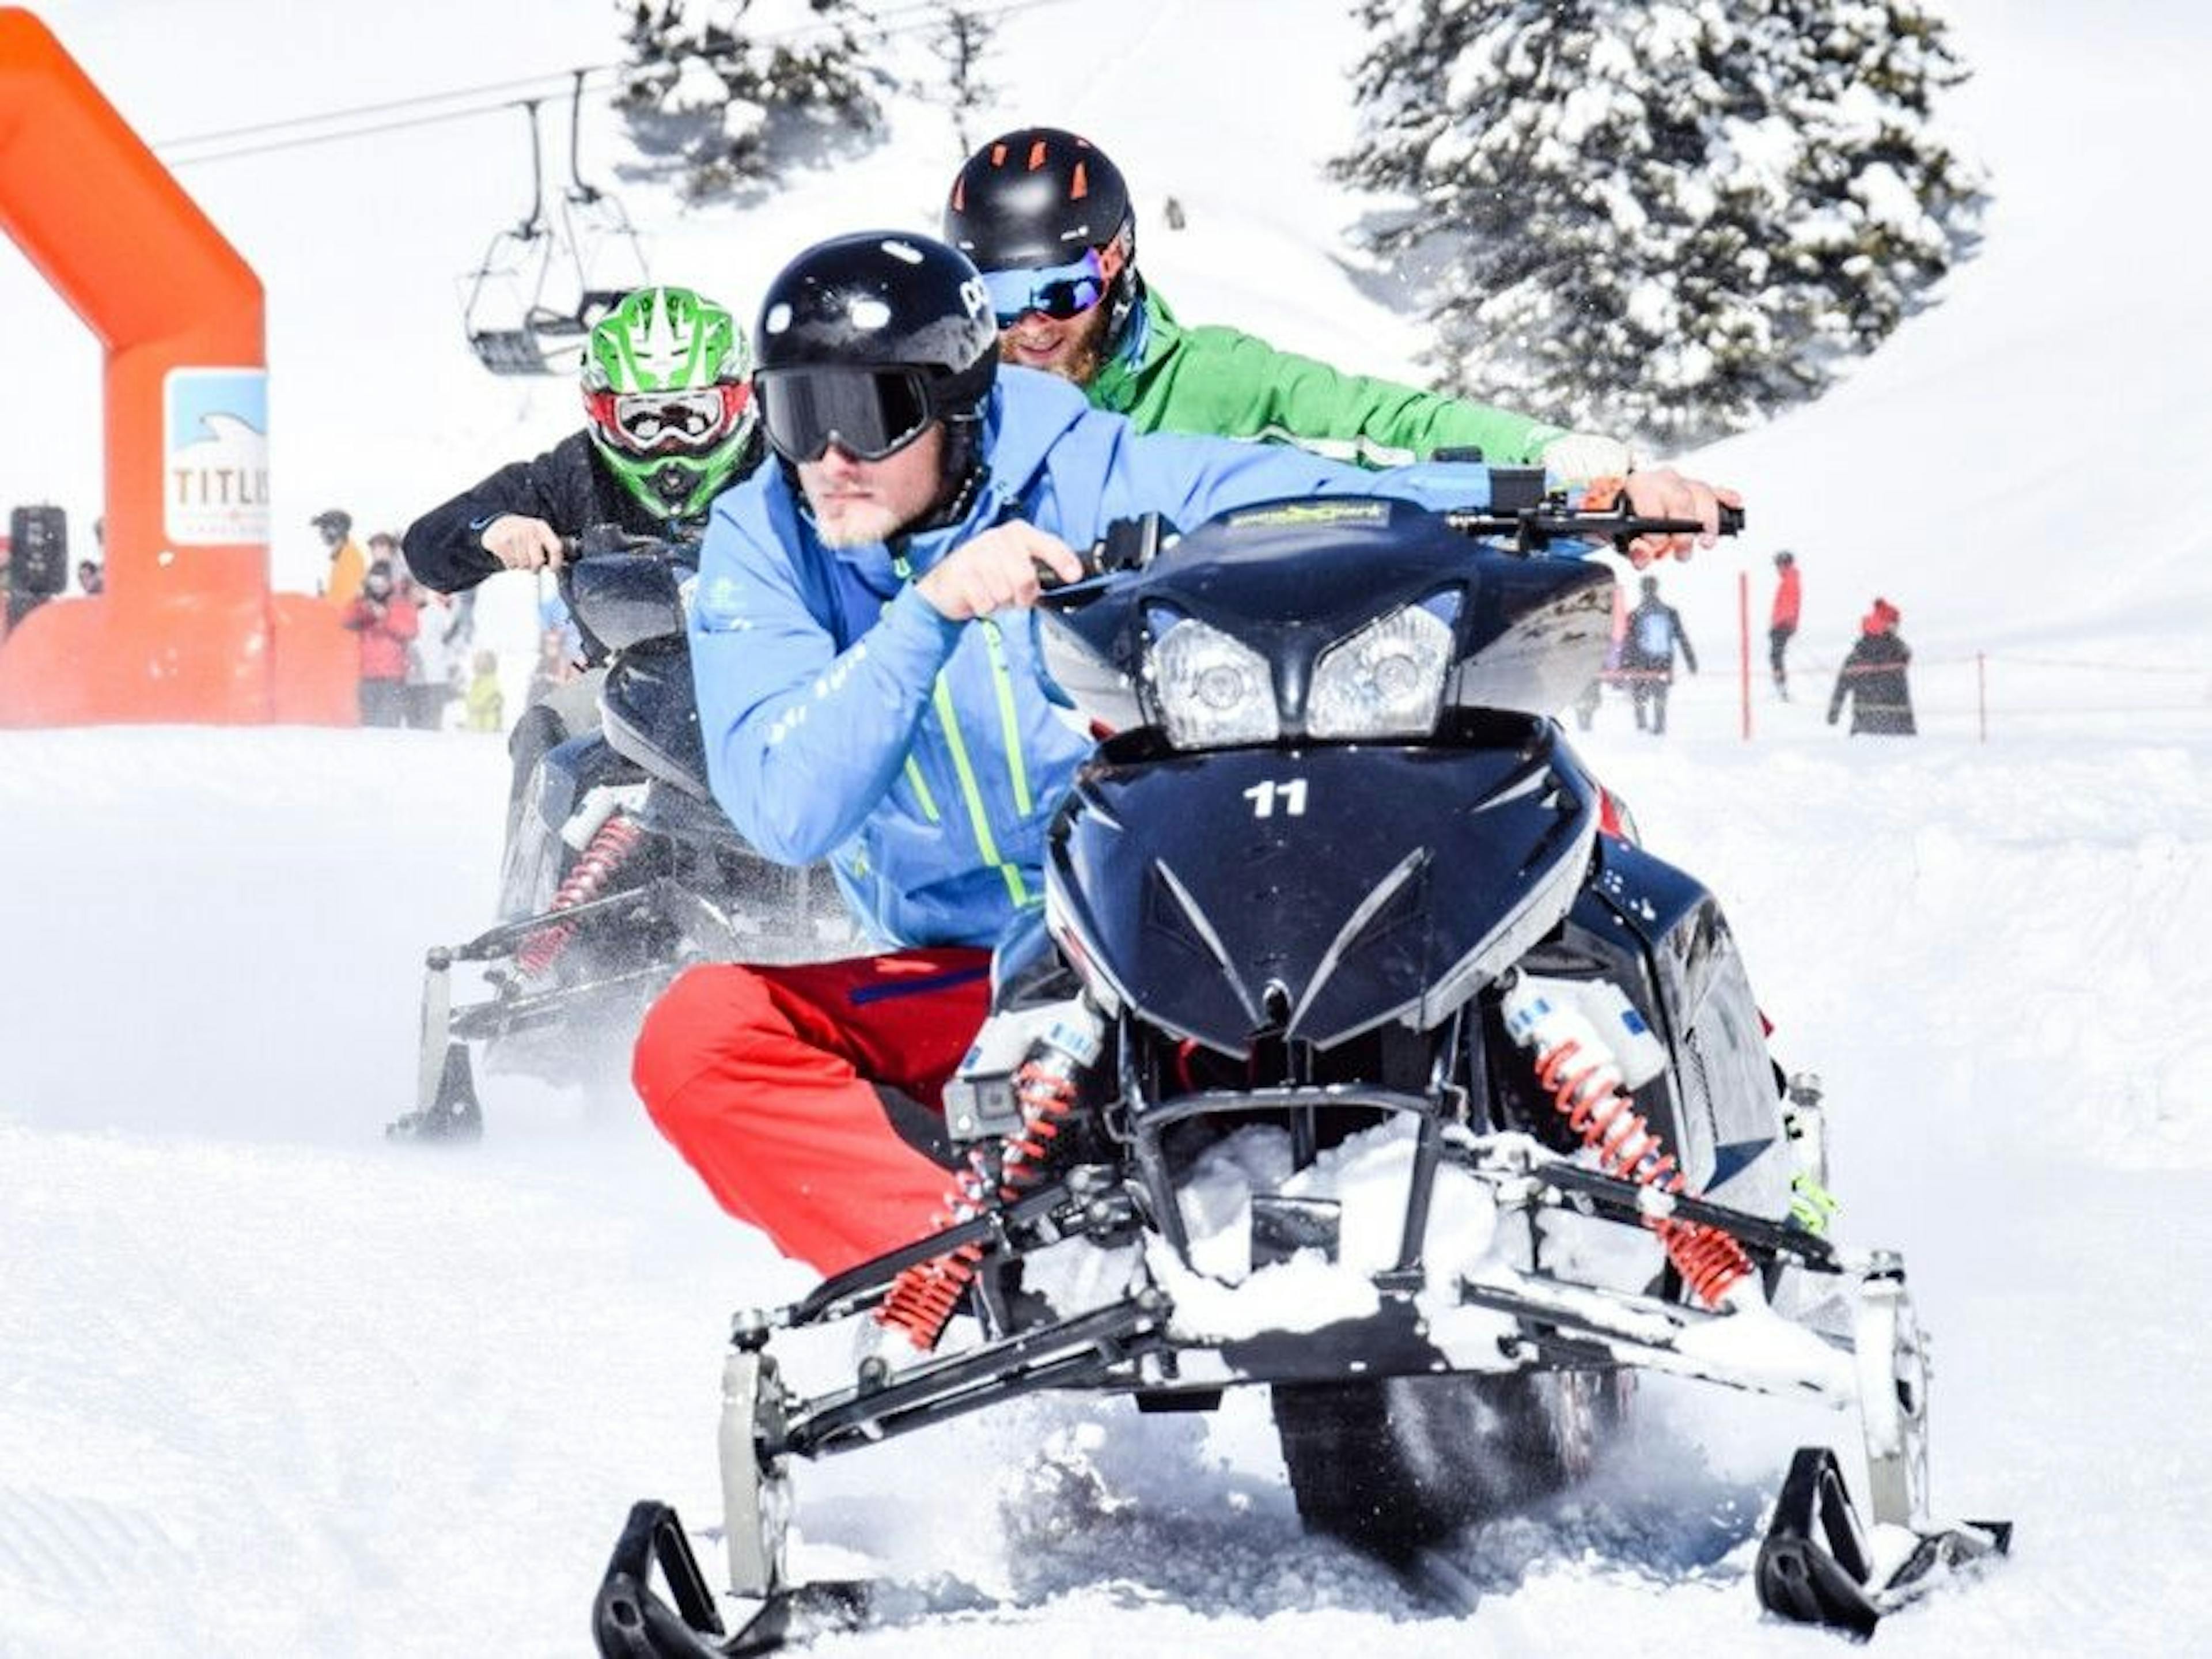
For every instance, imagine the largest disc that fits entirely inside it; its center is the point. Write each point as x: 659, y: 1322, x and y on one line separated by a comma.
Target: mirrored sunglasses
x: 1059, y: 292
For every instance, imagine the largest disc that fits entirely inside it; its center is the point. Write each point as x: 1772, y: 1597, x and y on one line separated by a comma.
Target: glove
x: 1579, y: 456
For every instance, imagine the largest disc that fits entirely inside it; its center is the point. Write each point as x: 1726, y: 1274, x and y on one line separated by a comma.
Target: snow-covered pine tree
x: 963, y: 35
x: 1670, y: 217
x: 725, y: 95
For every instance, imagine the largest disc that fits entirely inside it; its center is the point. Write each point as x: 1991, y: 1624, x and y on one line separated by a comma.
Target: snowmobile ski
x: 1816, y: 1566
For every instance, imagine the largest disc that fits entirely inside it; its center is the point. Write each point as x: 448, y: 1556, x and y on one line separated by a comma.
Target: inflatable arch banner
x: 187, y: 631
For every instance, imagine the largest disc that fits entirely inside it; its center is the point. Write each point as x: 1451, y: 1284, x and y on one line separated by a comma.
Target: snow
x: 272, y: 1387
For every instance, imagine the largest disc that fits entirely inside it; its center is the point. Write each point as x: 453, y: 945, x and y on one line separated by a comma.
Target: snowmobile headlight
x: 1385, y: 681
x: 1214, y: 690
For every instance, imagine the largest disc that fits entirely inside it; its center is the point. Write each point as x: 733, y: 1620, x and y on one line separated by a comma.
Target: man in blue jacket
x: 870, y: 691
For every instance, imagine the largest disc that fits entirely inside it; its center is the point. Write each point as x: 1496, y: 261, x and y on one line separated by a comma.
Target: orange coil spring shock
x: 609, y: 851
x: 1710, y: 1262
x: 923, y: 1297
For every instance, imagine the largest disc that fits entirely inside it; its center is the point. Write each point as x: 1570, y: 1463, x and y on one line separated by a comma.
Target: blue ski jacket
x: 843, y: 716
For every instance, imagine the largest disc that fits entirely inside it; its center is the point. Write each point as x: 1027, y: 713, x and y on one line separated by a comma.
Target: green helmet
x: 668, y: 386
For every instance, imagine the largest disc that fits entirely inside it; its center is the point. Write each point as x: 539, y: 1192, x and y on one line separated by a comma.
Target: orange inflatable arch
x: 187, y: 630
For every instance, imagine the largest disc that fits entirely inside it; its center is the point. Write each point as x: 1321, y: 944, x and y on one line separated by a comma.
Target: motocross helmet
x: 1043, y: 213
x: 867, y: 341
x: 666, y: 387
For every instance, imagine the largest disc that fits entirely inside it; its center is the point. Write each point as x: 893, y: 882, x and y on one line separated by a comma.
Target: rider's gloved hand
x: 1579, y: 457
x: 521, y: 543
x: 997, y: 569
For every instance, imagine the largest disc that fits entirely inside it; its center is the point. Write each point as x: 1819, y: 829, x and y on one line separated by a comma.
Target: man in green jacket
x: 1046, y: 216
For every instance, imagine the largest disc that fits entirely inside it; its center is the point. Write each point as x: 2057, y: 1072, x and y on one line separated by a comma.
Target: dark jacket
x: 1655, y: 633
x: 566, y: 486
x: 1873, y: 677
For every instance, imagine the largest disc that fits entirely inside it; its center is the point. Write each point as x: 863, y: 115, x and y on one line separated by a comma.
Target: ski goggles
x: 869, y: 413
x: 645, y: 422
x: 1059, y: 292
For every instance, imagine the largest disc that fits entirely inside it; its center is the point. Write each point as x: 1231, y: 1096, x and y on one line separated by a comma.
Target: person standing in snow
x: 1046, y: 217
x: 1873, y: 677
x: 385, y: 618
x: 1782, y: 621
x: 349, y: 565
x: 1647, y: 656
x: 870, y: 690
x: 434, y: 656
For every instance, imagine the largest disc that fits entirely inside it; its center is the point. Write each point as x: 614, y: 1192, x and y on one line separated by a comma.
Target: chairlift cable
x: 921, y: 15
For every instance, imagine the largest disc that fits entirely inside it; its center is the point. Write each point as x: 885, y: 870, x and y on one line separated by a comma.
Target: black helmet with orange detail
x: 1047, y: 213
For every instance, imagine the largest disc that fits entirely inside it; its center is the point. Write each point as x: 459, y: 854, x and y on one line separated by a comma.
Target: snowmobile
x: 1357, y: 1053
x: 619, y: 869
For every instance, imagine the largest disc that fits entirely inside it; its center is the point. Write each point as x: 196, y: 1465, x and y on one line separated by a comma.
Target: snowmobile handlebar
x: 1127, y: 545
x: 597, y: 541
x: 1528, y: 522
x: 1532, y: 529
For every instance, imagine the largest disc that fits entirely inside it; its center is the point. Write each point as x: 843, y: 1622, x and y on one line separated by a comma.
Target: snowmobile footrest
x: 630, y: 1620
x: 1816, y: 1567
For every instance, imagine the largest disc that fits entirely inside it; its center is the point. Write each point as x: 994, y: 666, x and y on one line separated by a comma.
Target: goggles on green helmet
x: 869, y: 413
x: 653, y: 422
x: 1059, y: 292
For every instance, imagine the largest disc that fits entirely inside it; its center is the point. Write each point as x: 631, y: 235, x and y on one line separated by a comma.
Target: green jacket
x: 1168, y: 378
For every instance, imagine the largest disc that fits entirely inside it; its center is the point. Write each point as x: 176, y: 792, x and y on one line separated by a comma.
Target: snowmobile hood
x: 1316, y: 893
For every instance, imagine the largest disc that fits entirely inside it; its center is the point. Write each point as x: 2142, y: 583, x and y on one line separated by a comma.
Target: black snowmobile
x: 619, y: 868
x: 1351, y: 1057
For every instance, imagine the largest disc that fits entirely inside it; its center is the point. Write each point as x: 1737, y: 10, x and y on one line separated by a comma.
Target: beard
x: 1077, y: 359
x: 846, y: 523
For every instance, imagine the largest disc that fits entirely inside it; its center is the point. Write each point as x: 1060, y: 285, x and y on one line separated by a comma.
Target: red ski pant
x: 764, y: 1079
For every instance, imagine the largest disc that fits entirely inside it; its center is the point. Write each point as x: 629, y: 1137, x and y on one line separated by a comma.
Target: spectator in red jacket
x: 1782, y: 623
x: 386, y: 620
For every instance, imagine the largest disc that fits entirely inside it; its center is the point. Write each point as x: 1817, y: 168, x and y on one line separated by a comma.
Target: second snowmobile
x: 619, y: 867
x: 1357, y: 1054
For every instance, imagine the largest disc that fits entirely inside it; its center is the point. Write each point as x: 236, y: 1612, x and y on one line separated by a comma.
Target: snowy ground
x: 273, y: 1387
x: 269, y: 1387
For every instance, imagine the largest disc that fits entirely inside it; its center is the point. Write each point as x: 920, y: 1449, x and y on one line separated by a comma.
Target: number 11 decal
x: 1263, y: 797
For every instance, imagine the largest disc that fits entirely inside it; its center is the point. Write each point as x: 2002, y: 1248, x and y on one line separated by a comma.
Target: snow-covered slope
x: 271, y: 1388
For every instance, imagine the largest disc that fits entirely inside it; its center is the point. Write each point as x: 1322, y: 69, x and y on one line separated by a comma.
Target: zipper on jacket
x: 971, y: 792
x: 922, y: 790
x: 1010, y: 724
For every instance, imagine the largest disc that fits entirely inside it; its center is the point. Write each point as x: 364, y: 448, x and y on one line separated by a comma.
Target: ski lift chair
x: 565, y: 261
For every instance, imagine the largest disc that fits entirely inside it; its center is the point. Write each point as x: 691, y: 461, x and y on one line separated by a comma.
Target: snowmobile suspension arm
x: 861, y: 1287
x: 1620, y: 1200
x: 1092, y: 1350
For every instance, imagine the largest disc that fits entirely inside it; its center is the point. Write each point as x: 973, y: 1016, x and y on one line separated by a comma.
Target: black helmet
x: 870, y: 338
x: 1785, y: 556
x: 1035, y: 197
x: 1038, y: 197
x: 333, y: 523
